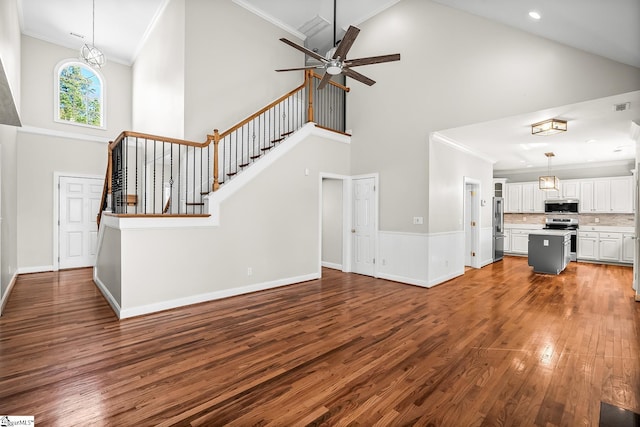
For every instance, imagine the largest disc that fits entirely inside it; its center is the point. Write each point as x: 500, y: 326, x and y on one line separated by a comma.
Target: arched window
x: 79, y: 93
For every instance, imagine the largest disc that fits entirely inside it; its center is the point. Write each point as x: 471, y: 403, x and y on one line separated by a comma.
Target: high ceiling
x: 607, y: 28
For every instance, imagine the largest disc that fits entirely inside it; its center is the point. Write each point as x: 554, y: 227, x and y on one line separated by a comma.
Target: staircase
x: 154, y: 176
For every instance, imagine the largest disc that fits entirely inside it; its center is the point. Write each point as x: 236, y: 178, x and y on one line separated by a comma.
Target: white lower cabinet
x: 507, y: 240
x: 628, y: 247
x: 610, y: 247
x: 606, y: 246
x: 519, y: 241
x: 587, y: 245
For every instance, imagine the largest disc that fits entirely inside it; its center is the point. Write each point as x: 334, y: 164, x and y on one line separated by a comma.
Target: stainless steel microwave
x: 566, y: 206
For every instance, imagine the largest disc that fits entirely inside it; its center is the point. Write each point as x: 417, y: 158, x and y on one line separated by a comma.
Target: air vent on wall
x: 621, y: 107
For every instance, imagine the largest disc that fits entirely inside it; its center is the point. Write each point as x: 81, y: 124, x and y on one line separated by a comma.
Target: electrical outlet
x: 418, y: 220
x: 597, y: 220
x: 249, y: 271
x: 524, y: 218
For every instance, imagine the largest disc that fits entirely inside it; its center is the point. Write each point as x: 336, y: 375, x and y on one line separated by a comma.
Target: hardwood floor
x: 497, y: 346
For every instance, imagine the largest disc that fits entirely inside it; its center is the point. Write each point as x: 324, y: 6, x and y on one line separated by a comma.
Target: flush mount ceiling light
x: 89, y: 53
x: 549, y: 182
x: 549, y: 127
x: 535, y: 15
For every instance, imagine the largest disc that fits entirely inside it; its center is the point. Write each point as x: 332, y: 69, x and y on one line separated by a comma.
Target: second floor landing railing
x: 152, y: 175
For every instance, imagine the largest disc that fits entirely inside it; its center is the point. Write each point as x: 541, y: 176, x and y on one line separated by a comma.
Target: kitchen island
x: 549, y: 250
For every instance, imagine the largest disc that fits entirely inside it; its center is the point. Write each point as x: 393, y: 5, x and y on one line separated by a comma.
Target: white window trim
x: 56, y: 94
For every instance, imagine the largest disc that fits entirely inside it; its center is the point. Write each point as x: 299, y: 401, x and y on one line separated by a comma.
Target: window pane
x: 80, y: 94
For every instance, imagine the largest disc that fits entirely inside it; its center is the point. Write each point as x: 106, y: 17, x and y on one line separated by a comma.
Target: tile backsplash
x: 610, y: 220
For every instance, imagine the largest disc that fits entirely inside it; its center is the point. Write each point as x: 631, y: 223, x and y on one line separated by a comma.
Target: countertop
x: 599, y: 228
x: 550, y: 232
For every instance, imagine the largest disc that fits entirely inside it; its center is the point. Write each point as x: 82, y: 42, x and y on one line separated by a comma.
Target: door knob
x: 353, y: 230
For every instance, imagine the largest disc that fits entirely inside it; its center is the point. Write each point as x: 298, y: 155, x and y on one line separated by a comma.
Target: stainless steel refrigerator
x: 498, y: 228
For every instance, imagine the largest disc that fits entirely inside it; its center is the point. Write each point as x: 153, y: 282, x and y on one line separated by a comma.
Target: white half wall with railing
x: 263, y: 232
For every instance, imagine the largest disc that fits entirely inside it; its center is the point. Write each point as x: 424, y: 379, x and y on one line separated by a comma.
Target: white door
x: 78, y: 232
x: 364, y: 226
x: 471, y: 219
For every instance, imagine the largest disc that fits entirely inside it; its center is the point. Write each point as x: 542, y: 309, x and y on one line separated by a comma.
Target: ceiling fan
x: 338, y: 63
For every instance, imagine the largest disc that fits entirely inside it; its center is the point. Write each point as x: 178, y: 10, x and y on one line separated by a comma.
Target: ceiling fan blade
x: 346, y: 42
x: 304, y: 50
x: 310, y: 67
x: 324, y: 81
x: 357, y: 76
x: 372, y: 60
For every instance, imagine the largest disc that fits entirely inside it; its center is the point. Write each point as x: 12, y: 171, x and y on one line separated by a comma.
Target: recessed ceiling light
x: 591, y: 141
x: 535, y: 15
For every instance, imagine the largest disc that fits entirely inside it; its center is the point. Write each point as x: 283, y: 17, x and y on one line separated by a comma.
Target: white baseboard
x: 332, y: 265
x: 210, y: 296
x: 5, y: 296
x: 444, y: 278
x: 402, y: 279
x: 35, y: 269
x: 107, y: 295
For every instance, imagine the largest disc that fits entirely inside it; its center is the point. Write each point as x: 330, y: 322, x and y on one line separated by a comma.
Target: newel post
x: 216, y: 140
x: 309, y: 78
x: 109, y: 167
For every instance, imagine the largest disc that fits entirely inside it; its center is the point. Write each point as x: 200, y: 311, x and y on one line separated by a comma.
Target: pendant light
x: 549, y: 182
x: 89, y: 53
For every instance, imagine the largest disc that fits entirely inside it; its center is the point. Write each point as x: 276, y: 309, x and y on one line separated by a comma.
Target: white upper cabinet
x: 622, y: 194
x: 570, y: 189
x: 514, y: 196
x: 597, y: 195
x: 528, y: 197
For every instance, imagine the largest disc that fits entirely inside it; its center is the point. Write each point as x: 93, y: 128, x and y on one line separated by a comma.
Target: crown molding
x: 438, y: 137
x: 264, y: 15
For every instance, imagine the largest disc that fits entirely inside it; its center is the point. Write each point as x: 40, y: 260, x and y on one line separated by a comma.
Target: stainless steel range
x: 570, y: 224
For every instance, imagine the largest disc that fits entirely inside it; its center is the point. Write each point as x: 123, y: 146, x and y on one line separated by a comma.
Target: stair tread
x: 194, y: 204
x: 267, y: 148
x: 256, y: 156
x: 287, y: 133
x: 277, y: 140
x: 231, y: 173
x: 243, y: 165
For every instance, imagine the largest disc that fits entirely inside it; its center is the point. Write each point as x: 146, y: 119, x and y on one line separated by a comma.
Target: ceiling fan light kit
x: 549, y: 127
x: 89, y: 53
x: 338, y: 62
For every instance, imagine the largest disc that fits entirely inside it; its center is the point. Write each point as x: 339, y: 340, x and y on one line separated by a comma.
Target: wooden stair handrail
x: 262, y: 110
x: 158, y: 138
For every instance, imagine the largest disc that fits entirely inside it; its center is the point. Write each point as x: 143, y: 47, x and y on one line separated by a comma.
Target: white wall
x: 10, y: 56
x: 332, y: 226
x: 456, y: 69
x: 39, y: 59
x: 158, y: 77
x: 45, y: 146
x: 230, y: 58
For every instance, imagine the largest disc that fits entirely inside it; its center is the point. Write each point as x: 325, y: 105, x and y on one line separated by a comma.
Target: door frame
x: 474, y: 213
x: 56, y: 210
x: 347, y: 219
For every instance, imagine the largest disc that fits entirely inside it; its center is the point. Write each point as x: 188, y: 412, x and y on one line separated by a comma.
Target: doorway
x: 76, y: 229
x: 472, y: 223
